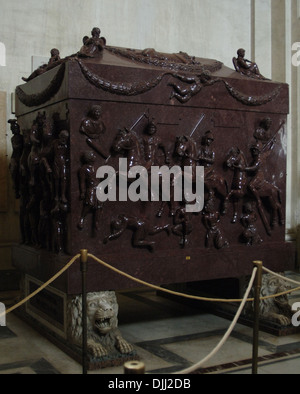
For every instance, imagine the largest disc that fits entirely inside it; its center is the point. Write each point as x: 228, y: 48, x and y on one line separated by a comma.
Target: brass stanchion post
x: 257, y: 289
x: 83, y: 269
x: 134, y: 368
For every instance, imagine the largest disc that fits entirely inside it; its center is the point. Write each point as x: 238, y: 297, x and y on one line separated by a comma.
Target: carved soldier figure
x: 206, y: 154
x: 257, y: 166
x: 152, y: 143
x: 59, y: 227
x: 60, y: 162
x: 213, y: 181
x: 24, y: 188
x: 206, y: 157
x: 36, y: 141
x: 93, y: 127
x: 260, y: 187
x: 17, y: 146
x: 262, y: 133
x: 88, y: 188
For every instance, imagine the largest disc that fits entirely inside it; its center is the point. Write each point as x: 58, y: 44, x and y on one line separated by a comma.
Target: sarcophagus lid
x: 106, y: 72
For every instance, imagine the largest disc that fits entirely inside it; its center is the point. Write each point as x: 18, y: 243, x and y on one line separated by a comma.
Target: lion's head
x: 102, y: 314
x: 275, y: 309
x: 272, y: 285
x: 102, y: 311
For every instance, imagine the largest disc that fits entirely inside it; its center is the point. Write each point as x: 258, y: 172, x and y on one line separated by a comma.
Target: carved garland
x: 120, y: 88
x: 136, y: 88
x: 32, y: 100
x: 252, y: 100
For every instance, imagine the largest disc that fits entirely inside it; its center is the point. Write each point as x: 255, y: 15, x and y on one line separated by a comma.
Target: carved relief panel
x: 238, y: 171
x: 40, y: 169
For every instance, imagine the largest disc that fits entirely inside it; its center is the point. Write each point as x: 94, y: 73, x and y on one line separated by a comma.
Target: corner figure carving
x: 55, y: 57
x: 53, y: 61
x: 245, y: 66
x: 93, y: 46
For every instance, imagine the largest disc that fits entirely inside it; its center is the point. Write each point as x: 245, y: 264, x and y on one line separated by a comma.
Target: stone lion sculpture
x: 104, y: 337
x: 276, y: 309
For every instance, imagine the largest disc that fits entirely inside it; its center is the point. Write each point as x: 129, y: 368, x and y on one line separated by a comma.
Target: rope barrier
x: 159, y: 288
x: 154, y: 287
x: 228, y: 332
x: 281, y: 277
x: 279, y: 294
x: 172, y: 292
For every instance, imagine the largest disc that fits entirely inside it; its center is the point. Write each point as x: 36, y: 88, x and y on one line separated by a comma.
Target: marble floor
x: 168, y: 336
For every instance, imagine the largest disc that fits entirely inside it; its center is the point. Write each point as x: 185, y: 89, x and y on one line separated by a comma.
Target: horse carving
x: 258, y: 187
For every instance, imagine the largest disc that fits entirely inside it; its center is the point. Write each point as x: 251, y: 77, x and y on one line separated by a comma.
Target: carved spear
x: 274, y: 136
x: 195, y: 128
x: 138, y: 121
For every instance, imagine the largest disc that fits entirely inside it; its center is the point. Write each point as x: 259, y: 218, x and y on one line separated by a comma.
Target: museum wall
x: 203, y: 28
